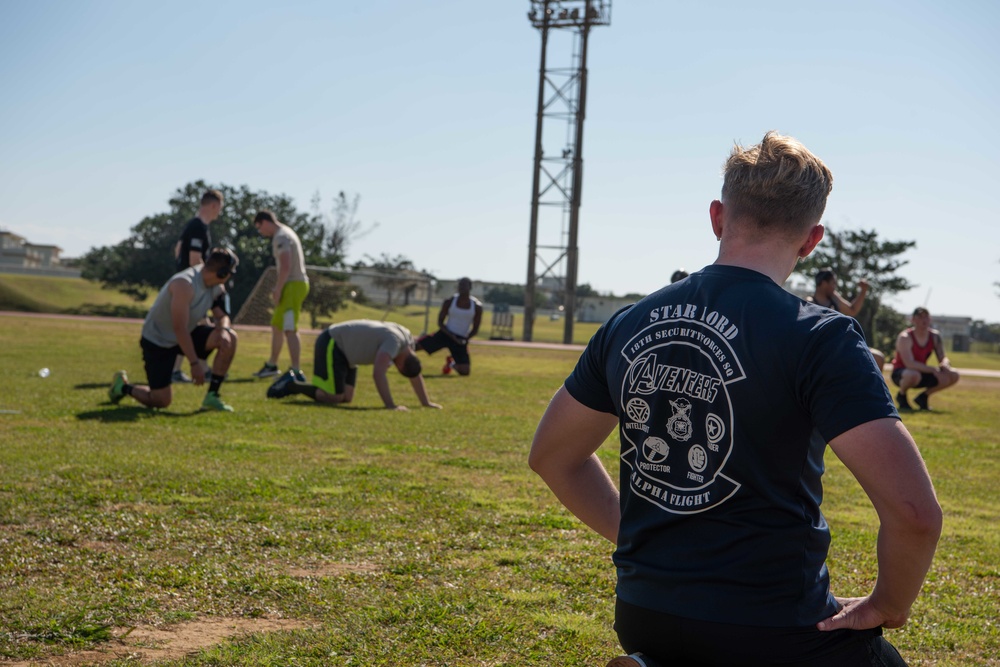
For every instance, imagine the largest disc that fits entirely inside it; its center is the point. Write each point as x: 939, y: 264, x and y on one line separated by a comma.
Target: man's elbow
x: 925, y: 519
x: 539, y: 460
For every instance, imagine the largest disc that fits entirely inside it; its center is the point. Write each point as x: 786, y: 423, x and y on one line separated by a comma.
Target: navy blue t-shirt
x: 194, y: 237
x: 728, y: 388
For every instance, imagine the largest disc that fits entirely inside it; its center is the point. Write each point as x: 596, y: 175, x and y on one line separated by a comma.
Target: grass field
x: 416, y: 538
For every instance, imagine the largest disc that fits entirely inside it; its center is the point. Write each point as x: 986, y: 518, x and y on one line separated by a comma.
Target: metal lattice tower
x: 556, y: 186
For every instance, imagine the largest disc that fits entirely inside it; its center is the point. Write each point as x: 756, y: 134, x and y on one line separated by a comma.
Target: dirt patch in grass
x: 148, y: 644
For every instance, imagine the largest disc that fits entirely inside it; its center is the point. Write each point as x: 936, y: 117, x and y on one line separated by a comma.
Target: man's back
x: 196, y: 238
x: 286, y: 240
x: 718, y: 383
x: 362, y: 340
x: 158, y: 325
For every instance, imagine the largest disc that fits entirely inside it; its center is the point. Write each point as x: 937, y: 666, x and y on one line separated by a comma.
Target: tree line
x: 144, y: 261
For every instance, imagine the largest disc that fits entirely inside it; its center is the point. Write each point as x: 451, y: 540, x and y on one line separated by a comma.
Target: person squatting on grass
x: 171, y: 328
x: 725, y: 389
x: 290, y: 290
x: 342, y: 348
x: 458, y: 321
x: 909, y: 367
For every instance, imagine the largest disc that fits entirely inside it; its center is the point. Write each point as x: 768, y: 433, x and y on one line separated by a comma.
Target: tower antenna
x: 558, y: 177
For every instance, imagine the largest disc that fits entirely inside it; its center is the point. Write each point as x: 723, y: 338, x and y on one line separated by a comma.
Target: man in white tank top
x: 459, y: 321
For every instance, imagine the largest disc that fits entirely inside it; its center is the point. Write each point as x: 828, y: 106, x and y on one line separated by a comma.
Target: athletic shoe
x: 116, y: 392
x: 281, y: 387
x: 267, y: 371
x: 634, y: 660
x: 214, y: 402
x: 449, y: 363
x: 299, y: 377
x: 904, y: 404
x: 180, y: 377
x: 921, y: 402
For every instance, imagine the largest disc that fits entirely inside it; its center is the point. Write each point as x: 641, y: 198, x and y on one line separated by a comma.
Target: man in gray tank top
x: 171, y: 328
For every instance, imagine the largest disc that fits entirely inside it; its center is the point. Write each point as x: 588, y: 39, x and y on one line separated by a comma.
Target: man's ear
x: 716, y: 211
x: 812, y: 240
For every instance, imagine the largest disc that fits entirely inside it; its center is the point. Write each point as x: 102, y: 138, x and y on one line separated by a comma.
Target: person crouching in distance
x: 342, y: 348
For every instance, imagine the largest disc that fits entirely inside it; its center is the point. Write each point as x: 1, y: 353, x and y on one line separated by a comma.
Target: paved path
x: 972, y: 372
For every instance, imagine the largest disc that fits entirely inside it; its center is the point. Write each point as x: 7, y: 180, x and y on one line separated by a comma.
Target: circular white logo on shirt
x: 637, y: 410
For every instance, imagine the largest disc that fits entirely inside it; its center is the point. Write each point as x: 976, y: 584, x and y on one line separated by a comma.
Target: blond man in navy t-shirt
x: 725, y: 389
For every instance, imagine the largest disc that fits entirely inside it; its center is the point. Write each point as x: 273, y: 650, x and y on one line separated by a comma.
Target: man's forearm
x: 588, y: 492
x: 382, y: 384
x: 186, y: 343
x: 904, y: 557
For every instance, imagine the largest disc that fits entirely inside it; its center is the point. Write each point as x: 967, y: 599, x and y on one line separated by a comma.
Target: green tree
x: 144, y: 261
x: 507, y: 294
x: 859, y: 254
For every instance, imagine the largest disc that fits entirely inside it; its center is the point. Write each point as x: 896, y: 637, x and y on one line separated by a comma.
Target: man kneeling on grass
x: 342, y: 348
x: 171, y: 328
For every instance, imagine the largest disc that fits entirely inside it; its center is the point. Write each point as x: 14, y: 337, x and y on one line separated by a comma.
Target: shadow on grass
x: 129, y: 414
x: 105, y: 385
x: 450, y: 376
x: 317, y: 404
x: 92, y: 385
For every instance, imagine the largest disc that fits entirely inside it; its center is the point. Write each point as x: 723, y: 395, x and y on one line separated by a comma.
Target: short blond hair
x: 211, y: 196
x: 777, y: 185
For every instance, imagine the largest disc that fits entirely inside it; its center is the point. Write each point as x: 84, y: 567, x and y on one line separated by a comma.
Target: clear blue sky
x: 426, y: 109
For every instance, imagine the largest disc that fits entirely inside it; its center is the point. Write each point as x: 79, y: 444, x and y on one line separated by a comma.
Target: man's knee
x: 228, y: 340
x: 463, y: 369
x: 160, y: 398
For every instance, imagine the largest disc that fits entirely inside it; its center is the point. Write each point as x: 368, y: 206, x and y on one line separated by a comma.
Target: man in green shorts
x: 290, y: 290
x: 342, y: 348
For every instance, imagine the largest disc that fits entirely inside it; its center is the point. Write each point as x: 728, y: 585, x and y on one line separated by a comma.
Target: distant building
x: 951, y: 326
x: 18, y: 255
x: 600, y: 308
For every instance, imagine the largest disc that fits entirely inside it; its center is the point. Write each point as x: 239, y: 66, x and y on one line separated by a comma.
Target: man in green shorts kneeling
x: 342, y: 348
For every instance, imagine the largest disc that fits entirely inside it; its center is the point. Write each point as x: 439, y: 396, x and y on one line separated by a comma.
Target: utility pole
x: 558, y: 177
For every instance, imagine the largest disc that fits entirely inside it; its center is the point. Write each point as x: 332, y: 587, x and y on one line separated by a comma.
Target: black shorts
x: 331, y: 369
x: 926, y: 379
x: 160, y: 361
x: 673, y: 640
x: 431, y: 344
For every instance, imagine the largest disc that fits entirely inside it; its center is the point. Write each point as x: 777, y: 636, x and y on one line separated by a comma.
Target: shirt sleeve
x: 588, y: 382
x: 391, y: 345
x: 840, y: 383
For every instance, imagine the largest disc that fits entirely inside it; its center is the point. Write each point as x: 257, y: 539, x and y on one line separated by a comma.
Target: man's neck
x: 774, y: 260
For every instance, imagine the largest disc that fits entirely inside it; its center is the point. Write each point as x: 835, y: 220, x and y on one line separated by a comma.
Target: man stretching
x: 909, y: 367
x: 342, y: 348
x: 826, y: 295
x: 171, y: 328
x: 458, y: 321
